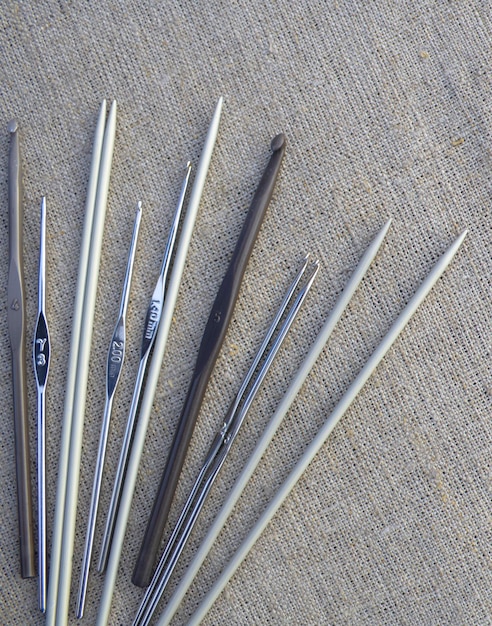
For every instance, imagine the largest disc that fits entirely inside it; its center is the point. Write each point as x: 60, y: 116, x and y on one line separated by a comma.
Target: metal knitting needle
x: 154, y: 369
x: 152, y: 319
x: 116, y: 356
x: 213, y: 451
x: 41, y: 360
x: 72, y: 371
x: 222, y: 445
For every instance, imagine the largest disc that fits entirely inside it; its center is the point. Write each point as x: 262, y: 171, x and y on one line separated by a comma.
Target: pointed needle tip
x: 220, y: 102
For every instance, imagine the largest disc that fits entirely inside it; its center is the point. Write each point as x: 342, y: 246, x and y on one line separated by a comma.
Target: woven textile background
x: 387, y: 109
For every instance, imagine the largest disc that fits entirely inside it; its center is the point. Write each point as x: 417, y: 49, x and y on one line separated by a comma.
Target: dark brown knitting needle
x: 16, y: 324
x: 213, y: 337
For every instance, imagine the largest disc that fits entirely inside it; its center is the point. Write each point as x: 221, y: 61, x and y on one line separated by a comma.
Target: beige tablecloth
x: 387, y: 110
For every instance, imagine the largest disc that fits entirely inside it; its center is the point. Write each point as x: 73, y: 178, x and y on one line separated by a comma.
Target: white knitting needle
x: 54, y: 571
x: 325, y: 431
x: 155, y: 366
x: 72, y: 488
x: 274, y: 424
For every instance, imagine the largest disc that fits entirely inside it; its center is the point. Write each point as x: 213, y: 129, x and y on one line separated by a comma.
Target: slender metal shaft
x: 152, y: 319
x: 215, y: 447
x: 41, y: 359
x: 116, y: 356
x: 220, y: 449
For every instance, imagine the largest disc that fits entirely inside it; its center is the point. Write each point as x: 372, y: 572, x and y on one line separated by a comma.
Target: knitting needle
x: 41, y: 360
x: 155, y: 367
x: 72, y: 488
x: 274, y: 423
x: 326, y: 429
x: 151, y: 325
x: 221, y: 446
x: 56, y: 546
x: 16, y: 327
x: 116, y: 355
x: 215, y: 330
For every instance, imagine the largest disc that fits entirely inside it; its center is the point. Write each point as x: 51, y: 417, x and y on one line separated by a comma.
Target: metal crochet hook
x: 150, y: 331
x: 16, y: 326
x: 41, y: 360
x: 116, y: 356
x: 222, y: 443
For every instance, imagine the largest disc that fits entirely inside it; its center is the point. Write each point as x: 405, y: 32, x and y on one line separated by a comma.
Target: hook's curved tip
x: 278, y: 142
x: 12, y: 126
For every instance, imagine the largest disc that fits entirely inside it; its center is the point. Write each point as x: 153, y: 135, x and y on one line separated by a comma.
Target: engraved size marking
x: 117, y: 352
x: 41, y: 359
x: 41, y: 343
x: 153, y: 319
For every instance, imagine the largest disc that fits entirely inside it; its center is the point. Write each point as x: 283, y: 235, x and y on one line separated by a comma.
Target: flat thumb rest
x: 212, y: 340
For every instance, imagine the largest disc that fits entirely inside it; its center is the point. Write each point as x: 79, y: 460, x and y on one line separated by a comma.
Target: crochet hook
x: 211, y: 343
x: 116, y: 355
x: 16, y: 327
x: 41, y: 360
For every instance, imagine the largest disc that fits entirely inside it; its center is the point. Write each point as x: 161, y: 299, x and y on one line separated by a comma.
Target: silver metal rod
x: 216, y: 445
x: 115, y: 362
x: 220, y: 448
x: 151, y: 325
x: 41, y: 355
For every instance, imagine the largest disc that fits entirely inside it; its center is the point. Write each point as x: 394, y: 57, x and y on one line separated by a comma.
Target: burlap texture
x: 387, y: 111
